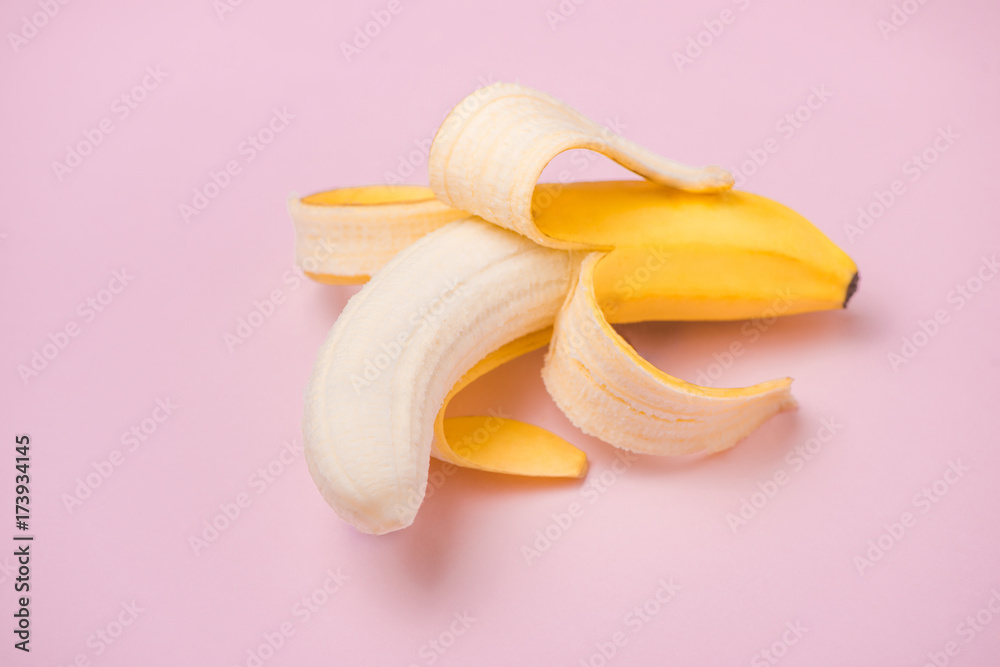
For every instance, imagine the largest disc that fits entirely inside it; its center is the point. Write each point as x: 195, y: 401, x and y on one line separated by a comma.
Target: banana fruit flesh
x: 400, y: 346
x: 497, y: 265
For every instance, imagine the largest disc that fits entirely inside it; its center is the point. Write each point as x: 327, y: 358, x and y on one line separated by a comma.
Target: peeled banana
x: 497, y: 265
x: 432, y: 313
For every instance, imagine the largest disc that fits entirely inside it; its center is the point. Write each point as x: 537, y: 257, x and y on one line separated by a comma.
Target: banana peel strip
x: 344, y: 236
x: 491, y: 149
x: 497, y: 443
x: 610, y: 392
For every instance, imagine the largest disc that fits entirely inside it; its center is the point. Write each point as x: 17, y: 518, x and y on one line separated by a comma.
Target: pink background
x: 163, y: 337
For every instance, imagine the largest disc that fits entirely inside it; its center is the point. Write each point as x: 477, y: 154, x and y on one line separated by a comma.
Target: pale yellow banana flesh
x: 402, y: 343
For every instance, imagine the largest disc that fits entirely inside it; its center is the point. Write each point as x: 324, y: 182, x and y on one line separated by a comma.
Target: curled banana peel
x: 487, y: 264
x: 342, y: 237
x: 491, y: 149
x: 590, y: 365
x: 500, y: 444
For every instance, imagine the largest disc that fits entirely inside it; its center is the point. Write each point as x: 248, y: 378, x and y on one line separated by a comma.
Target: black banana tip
x: 851, y: 289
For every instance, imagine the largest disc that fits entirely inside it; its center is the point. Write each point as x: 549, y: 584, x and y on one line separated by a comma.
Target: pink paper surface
x: 845, y: 563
